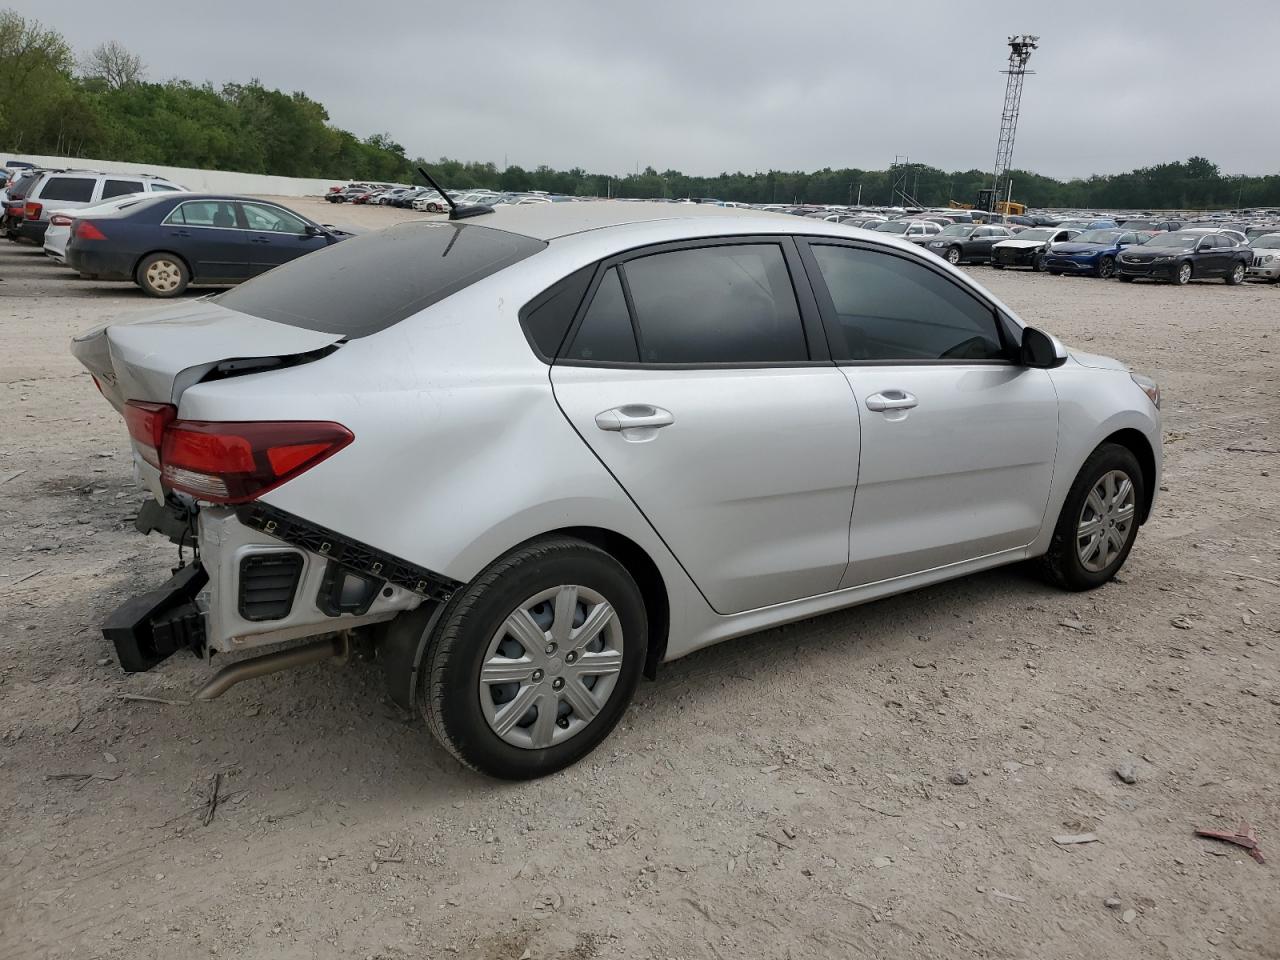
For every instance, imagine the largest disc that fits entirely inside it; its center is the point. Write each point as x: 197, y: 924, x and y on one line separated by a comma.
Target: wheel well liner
x: 1138, y: 445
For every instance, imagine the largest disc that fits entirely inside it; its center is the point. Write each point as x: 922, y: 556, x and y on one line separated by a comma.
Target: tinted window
x: 605, y: 332
x: 548, y: 317
x: 22, y: 185
x: 162, y: 188
x: 890, y: 308
x: 260, y: 216
x: 204, y: 213
x: 724, y: 304
x: 118, y: 188
x: 76, y: 189
x: 368, y: 283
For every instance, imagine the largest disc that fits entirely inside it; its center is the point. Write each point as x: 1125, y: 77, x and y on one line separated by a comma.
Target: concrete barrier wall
x: 204, y: 181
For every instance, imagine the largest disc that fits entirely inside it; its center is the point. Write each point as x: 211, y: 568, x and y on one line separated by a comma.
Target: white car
x: 433, y: 203
x: 533, y: 455
x: 60, y: 222
x: 1028, y: 248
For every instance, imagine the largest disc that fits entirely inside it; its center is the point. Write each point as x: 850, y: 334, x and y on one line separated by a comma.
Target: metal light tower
x: 1020, y: 48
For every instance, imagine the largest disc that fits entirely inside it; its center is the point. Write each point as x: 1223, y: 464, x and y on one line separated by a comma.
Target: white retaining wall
x: 202, y: 181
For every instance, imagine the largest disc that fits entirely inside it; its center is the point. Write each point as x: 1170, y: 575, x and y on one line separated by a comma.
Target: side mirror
x: 316, y: 231
x: 1041, y: 351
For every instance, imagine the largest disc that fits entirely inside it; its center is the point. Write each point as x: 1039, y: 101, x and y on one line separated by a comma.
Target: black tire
x: 1124, y: 278
x: 1236, y: 276
x: 1183, y: 276
x: 162, y: 274
x: 1062, y: 565
x: 1037, y: 263
x: 996, y: 266
x: 449, y: 695
x: 953, y: 256
x: 1106, y: 268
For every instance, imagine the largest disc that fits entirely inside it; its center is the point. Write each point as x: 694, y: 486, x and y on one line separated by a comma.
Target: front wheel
x: 1184, y: 274
x: 953, y: 256
x: 162, y: 275
x: 1107, y: 268
x: 1099, y: 520
x: 534, y: 662
x: 1236, y: 276
x: 1037, y: 263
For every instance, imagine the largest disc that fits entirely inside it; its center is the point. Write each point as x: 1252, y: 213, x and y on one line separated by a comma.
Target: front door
x: 276, y: 236
x: 703, y: 384
x: 208, y: 234
x: 958, y: 441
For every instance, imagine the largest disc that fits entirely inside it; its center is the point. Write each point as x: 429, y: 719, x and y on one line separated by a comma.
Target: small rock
x: 103, y: 661
x: 1111, y: 903
x: 110, y: 758
x: 881, y: 862
x: 1127, y: 773
x: 959, y: 777
x: 1011, y: 766
x: 1182, y: 623
x: 1129, y: 916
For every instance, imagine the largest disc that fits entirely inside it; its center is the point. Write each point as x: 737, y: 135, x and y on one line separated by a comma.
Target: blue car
x: 1094, y: 252
x: 165, y: 243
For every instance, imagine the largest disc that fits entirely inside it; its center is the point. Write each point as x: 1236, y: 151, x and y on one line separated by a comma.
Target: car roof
x: 549, y: 221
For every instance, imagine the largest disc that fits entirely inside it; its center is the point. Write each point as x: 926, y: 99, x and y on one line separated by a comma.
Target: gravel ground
x: 787, y: 795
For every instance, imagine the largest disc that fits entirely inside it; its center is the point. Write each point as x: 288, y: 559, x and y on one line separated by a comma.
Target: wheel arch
x: 1136, y: 443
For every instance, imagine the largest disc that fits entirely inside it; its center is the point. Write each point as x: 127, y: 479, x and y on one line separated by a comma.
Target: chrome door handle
x: 634, y: 416
x: 891, y: 400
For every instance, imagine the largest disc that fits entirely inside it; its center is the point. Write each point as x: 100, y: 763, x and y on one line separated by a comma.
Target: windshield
x: 957, y: 230
x: 1099, y: 236
x: 1178, y: 240
x: 1037, y: 234
x: 400, y: 270
x: 1270, y: 241
x: 894, y: 226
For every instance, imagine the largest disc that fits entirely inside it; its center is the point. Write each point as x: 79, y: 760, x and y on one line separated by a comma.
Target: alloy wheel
x: 1184, y: 273
x: 1106, y: 268
x: 551, y: 667
x: 1106, y: 519
x: 953, y: 256
x: 164, y: 276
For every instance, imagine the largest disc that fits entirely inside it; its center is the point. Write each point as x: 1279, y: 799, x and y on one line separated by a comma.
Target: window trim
x: 831, y: 321
x: 811, y: 325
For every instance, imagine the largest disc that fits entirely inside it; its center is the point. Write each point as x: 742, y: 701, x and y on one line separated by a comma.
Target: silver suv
x: 71, y: 189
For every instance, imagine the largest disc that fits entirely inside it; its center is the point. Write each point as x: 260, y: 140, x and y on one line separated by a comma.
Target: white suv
x: 71, y: 189
x: 534, y: 454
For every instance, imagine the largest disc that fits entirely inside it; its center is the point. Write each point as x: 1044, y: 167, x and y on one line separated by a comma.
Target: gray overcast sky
x: 710, y: 85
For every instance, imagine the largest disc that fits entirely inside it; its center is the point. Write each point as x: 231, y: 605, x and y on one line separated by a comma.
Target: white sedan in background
x: 60, y: 222
x: 534, y: 455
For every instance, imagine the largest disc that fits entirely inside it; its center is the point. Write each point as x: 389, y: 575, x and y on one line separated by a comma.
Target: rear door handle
x: 634, y: 416
x: 891, y: 400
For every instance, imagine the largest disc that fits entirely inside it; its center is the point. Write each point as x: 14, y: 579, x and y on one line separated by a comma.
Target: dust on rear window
x: 365, y: 284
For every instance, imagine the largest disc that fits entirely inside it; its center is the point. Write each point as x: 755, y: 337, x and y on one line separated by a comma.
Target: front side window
x: 722, y: 304
x: 270, y: 219
x: 890, y: 308
x: 118, y: 188
x: 204, y: 213
x: 71, y: 189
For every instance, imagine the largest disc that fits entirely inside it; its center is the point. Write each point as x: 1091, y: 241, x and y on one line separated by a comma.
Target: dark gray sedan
x: 967, y: 242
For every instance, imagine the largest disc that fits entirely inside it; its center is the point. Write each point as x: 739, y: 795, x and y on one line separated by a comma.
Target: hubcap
x: 1238, y: 273
x: 1184, y: 272
x: 953, y: 255
x: 1105, y: 521
x: 163, y: 275
x: 551, y: 667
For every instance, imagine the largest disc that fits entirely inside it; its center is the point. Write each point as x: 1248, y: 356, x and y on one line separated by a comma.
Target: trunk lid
x: 158, y: 357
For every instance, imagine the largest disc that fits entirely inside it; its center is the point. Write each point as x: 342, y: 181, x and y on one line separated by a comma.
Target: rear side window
x: 723, y: 304
x: 891, y: 308
x: 163, y: 188
x: 547, y: 317
x: 73, y: 189
x: 606, y: 334
x: 118, y: 188
x: 363, y: 285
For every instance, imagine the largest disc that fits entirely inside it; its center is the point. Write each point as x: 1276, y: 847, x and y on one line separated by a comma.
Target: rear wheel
x: 1107, y: 268
x: 1183, y: 276
x: 534, y: 662
x: 1236, y: 276
x: 162, y: 275
x: 953, y: 256
x: 1098, y: 522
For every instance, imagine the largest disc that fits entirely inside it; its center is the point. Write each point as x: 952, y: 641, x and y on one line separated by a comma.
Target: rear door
x: 699, y: 375
x: 958, y: 442
x: 208, y: 234
x: 276, y: 236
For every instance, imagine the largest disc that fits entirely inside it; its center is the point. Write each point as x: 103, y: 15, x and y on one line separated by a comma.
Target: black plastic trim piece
x: 148, y: 628
x: 349, y: 552
x: 329, y: 596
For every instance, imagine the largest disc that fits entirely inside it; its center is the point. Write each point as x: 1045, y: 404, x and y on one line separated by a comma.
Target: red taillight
x: 147, y: 422
x: 88, y: 230
x: 229, y: 462
x: 32, y: 210
x: 59, y: 220
x: 235, y: 462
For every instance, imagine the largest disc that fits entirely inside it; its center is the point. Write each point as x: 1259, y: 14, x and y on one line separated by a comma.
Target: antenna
x: 456, y: 212
x: 1020, y: 48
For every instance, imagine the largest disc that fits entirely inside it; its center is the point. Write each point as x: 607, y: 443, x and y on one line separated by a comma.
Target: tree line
x: 102, y: 105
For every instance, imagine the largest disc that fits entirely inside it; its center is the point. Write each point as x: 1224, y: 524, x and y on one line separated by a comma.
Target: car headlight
x: 1268, y: 258
x: 1148, y: 386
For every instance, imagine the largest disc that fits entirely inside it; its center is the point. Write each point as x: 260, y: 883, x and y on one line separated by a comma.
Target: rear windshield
x: 366, y: 284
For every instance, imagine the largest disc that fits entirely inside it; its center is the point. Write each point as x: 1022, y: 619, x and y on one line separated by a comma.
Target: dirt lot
x: 783, y: 796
